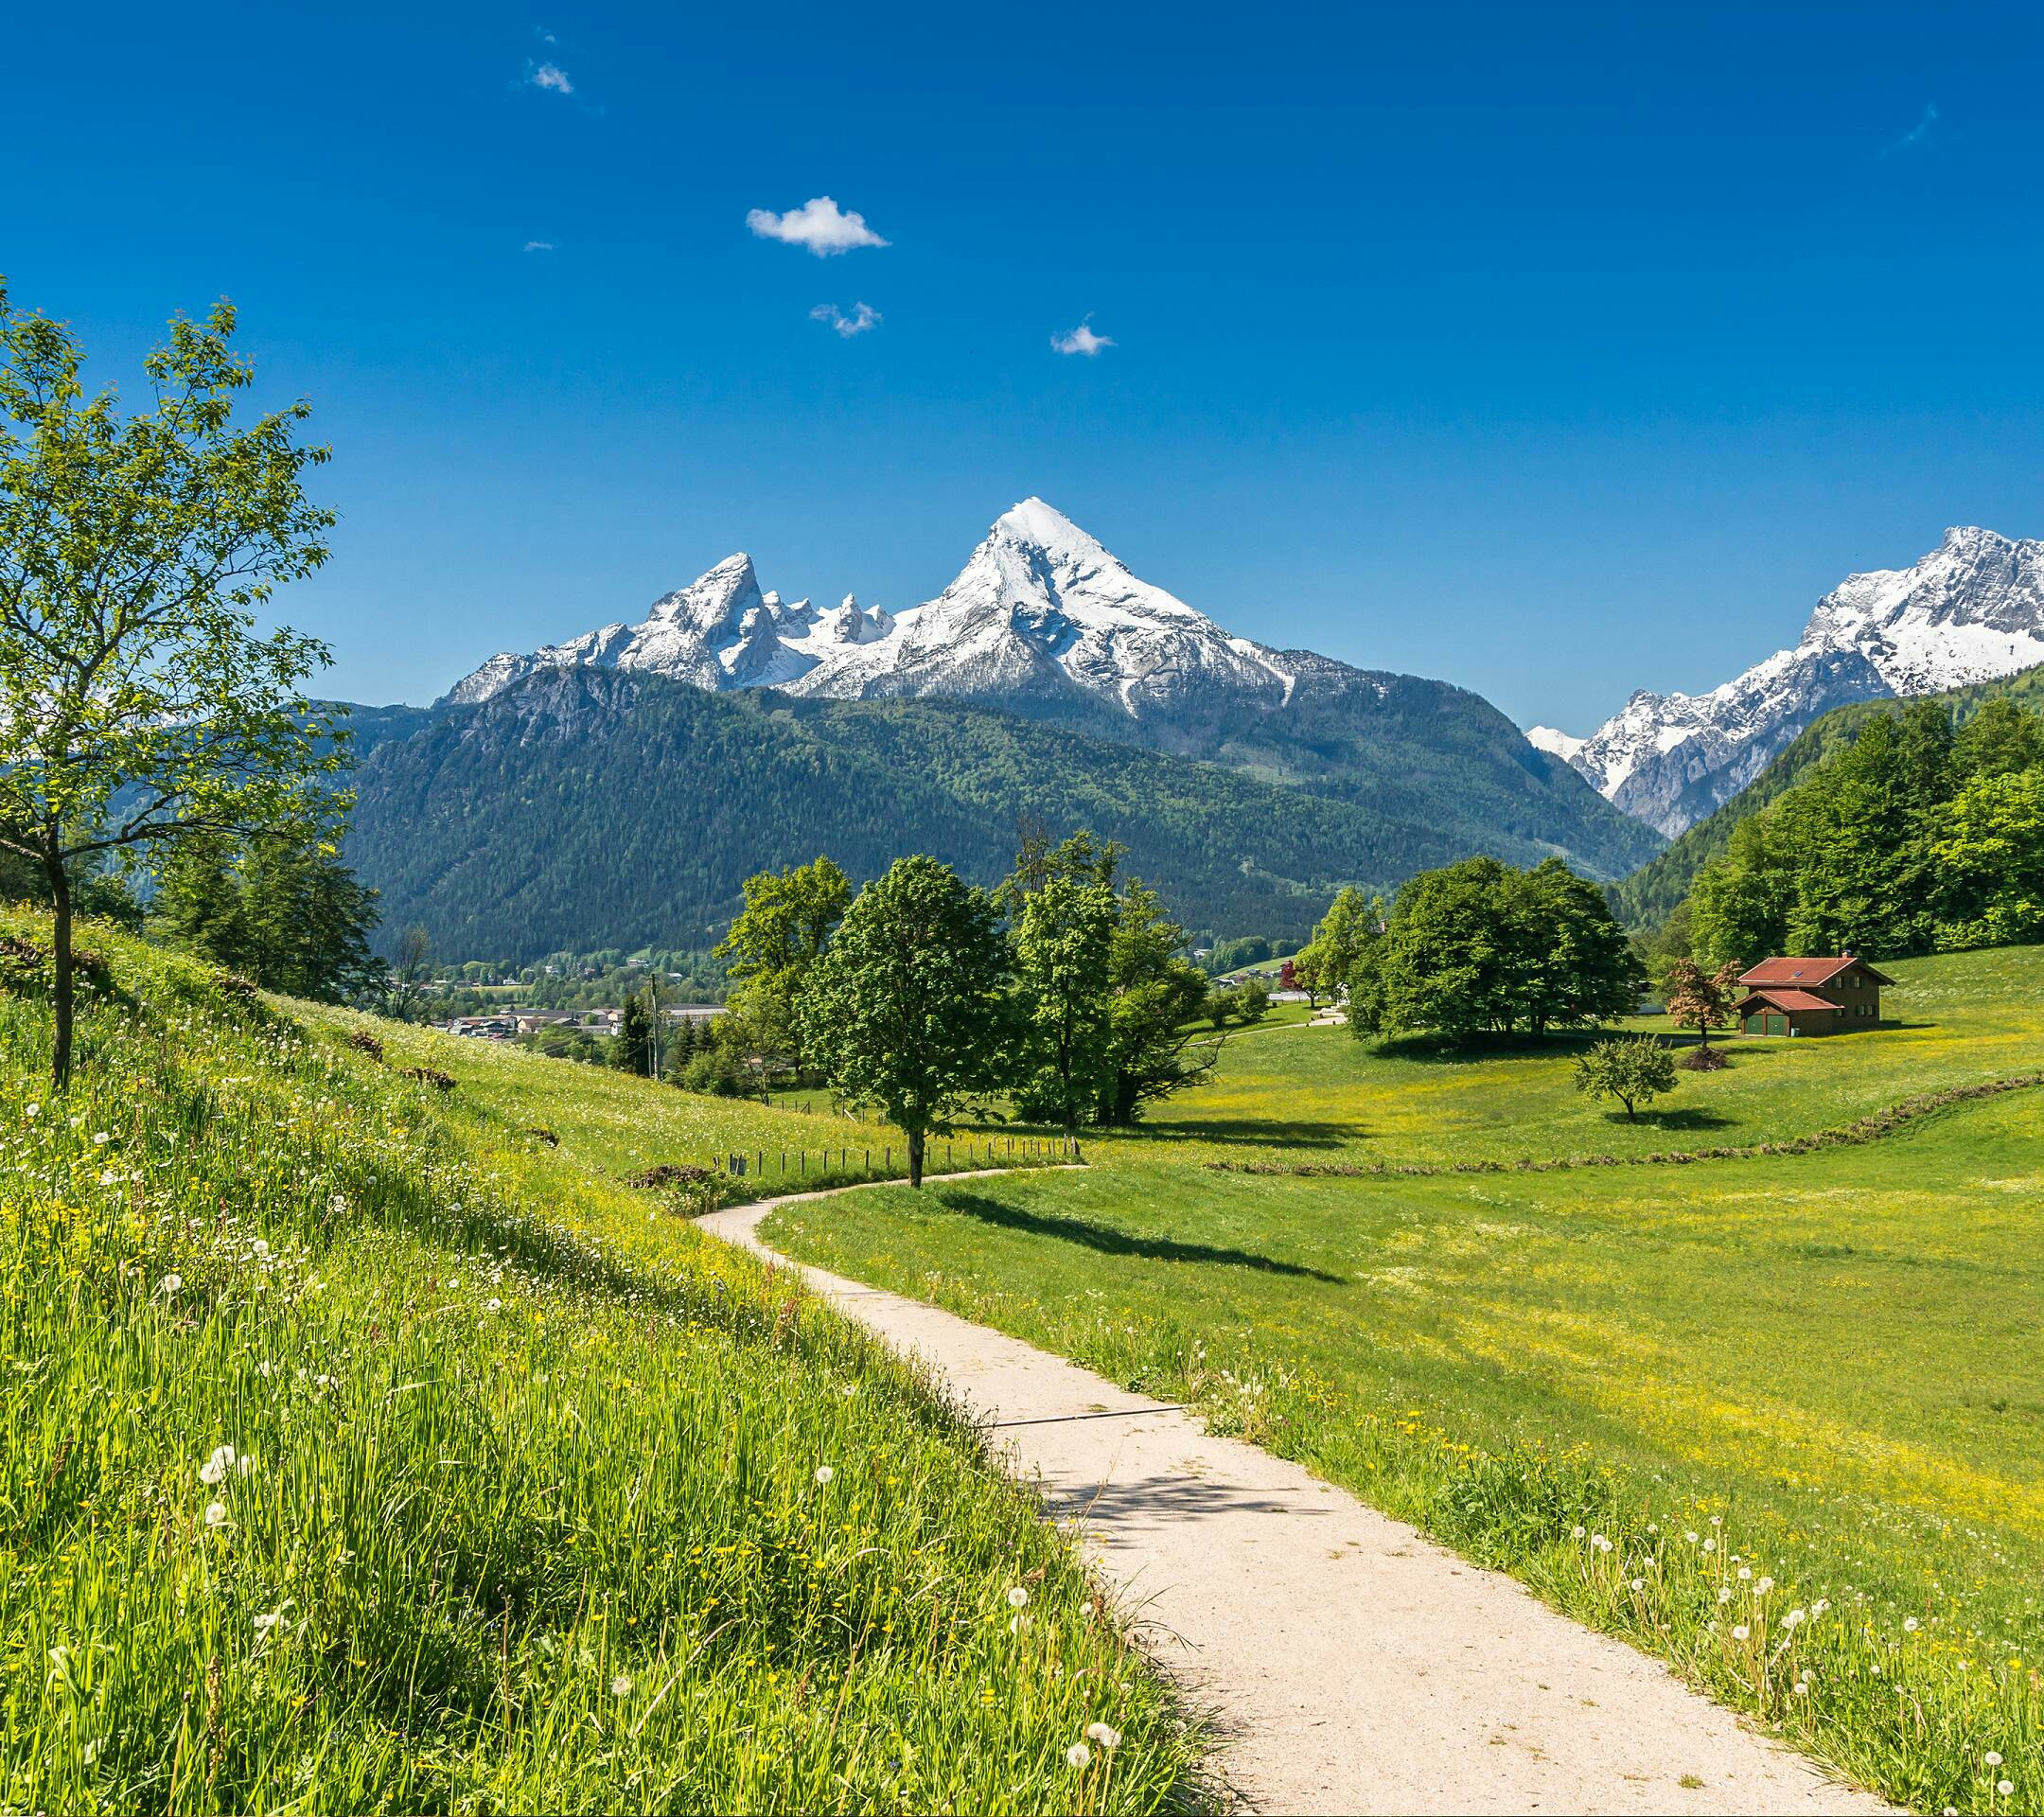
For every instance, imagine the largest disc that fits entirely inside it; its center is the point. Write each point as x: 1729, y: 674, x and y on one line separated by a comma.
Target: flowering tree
x: 1699, y: 1000
x: 137, y: 704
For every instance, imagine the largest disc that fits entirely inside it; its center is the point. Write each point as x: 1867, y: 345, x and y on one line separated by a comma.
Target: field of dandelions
x: 365, y: 1451
x: 1778, y: 1420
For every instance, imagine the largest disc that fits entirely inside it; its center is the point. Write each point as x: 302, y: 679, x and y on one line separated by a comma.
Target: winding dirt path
x: 1351, y: 1664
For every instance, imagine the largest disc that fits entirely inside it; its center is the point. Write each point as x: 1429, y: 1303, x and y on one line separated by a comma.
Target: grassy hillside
x: 1647, y: 897
x: 1825, y: 1365
x: 534, y: 1501
x: 592, y: 808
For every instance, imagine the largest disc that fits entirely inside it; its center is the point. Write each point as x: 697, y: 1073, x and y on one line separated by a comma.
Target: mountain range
x: 1970, y: 610
x: 618, y: 787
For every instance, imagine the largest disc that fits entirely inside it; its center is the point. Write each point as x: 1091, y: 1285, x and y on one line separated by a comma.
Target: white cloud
x: 1918, y: 134
x: 818, y: 225
x: 550, y: 77
x: 1081, y: 340
x: 538, y: 245
x: 863, y: 316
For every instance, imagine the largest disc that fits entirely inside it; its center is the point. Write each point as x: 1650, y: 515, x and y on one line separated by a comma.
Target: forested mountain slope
x: 1647, y: 897
x: 584, y: 806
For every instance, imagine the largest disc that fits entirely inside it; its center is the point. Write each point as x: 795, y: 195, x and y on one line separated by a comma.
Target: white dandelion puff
x: 216, y: 1515
x: 1019, y: 1597
x: 1741, y: 1632
x: 824, y: 1473
x: 621, y: 1684
x: 1078, y: 1757
x: 1108, y: 1738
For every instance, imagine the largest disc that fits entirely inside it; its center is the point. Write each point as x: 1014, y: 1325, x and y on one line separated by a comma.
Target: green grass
x: 616, y: 1126
x: 1835, y: 1354
x: 1321, y: 1094
x: 540, y: 1500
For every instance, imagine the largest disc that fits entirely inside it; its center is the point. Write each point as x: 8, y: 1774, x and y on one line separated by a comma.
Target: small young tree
x: 1252, y: 1001
x: 1699, y: 1000
x: 1633, y: 1068
x: 410, y: 976
x: 137, y: 704
x: 908, y: 1007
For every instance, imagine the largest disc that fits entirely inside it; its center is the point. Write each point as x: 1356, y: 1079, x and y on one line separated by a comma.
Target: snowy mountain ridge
x: 1970, y: 610
x: 1040, y: 607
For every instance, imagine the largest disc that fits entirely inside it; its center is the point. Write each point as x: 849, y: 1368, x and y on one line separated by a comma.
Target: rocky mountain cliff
x: 1971, y: 611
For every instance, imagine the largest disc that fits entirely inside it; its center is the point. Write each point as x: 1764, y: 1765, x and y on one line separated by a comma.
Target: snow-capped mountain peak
x: 1039, y: 606
x: 1971, y: 610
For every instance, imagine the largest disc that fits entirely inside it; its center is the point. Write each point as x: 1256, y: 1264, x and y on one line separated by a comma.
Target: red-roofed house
x: 1811, y: 995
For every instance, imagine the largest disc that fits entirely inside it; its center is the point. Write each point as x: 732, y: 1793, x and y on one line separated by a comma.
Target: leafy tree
x: 787, y: 920
x: 288, y: 913
x: 1253, y: 1000
x: 1633, y: 1068
x: 1063, y: 952
x: 138, y: 705
x: 1699, y: 999
x: 1344, y: 943
x: 1480, y: 947
x: 908, y: 1008
x: 1990, y: 859
x: 1158, y: 999
x: 1740, y: 904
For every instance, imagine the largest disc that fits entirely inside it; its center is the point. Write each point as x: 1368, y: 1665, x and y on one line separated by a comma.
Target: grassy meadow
x: 616, y: 1126
x: 1778, y: 1420
x: 363, y: 1452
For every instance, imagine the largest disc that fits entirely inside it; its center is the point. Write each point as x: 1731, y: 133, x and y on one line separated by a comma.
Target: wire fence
x: 890, y: 1159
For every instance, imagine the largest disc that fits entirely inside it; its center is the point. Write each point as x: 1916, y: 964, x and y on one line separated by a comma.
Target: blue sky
x: 1556, y: 351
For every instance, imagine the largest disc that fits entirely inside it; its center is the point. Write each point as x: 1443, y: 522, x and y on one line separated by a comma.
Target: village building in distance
x: 1818, y: 996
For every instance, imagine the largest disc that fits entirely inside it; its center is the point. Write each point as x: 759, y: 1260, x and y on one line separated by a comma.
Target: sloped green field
x: 361, y: 1453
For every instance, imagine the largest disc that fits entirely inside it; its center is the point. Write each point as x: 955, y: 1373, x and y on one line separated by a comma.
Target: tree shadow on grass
x: 1685, y: 1118
x: 1109, y: 1241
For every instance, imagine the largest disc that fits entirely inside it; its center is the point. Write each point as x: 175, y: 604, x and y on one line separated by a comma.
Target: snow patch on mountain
x: 1039, y: 607
x: 1970, y: 610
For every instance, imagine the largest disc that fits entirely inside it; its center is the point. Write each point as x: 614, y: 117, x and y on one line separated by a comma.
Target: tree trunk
x: 63, y: 996
x: 915, y: 1157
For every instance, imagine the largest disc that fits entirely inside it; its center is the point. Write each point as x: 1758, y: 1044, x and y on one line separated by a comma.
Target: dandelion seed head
x: 1992, y: 1759
x: 216, y: 1515
x: 1741, y: 1632
x: 824, y: 1472
x: 621, y: 1684
x: 1108, y: 1738
x: 1019, y: 1597
x: 1078, y: 1757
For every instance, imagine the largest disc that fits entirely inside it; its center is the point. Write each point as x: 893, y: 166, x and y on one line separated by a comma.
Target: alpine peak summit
x: 1971, y: 610
x: 1041, y: 609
